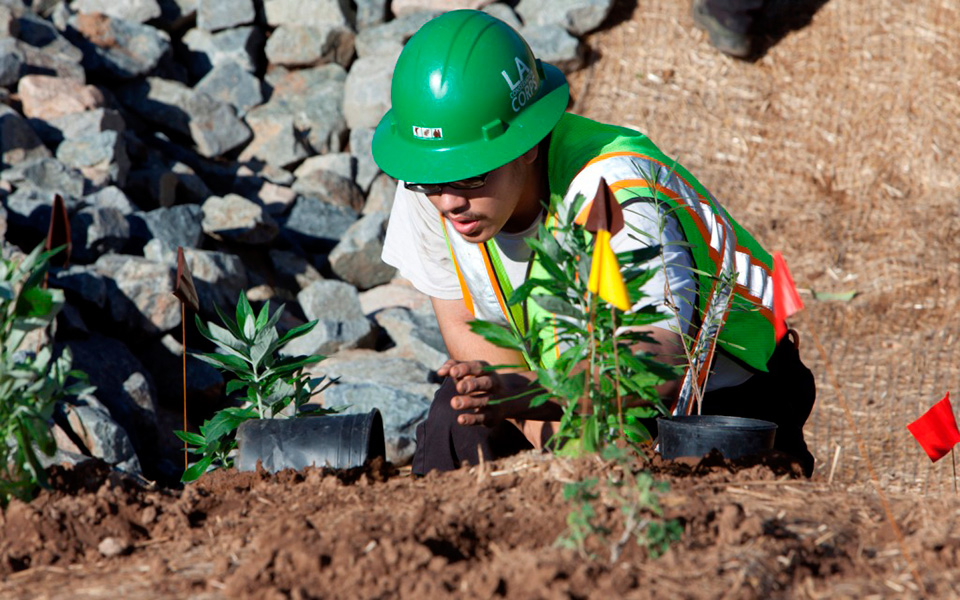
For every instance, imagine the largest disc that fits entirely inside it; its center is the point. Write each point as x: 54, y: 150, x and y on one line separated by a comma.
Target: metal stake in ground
x: 186, y: 292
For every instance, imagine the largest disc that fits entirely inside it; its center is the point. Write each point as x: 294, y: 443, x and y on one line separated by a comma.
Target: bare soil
x: 839, y: 147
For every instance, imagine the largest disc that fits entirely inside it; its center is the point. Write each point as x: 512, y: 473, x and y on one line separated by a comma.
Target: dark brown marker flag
x: 59, y: 232
x: 605, y: 212
x: 185, y: 290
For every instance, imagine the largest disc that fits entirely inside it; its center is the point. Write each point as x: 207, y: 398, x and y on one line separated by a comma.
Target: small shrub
x: 267, y: 384
x: 32, y: 380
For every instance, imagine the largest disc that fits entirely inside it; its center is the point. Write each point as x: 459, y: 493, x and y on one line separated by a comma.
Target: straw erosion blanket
x: 751, y: 530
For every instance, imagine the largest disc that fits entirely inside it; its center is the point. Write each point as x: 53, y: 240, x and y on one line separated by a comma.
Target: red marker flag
x: 786, y: 299
x: 184, y: 289
x: 937, y: 430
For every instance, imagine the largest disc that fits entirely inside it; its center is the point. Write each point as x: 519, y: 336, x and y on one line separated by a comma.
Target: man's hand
x: 476, y: 387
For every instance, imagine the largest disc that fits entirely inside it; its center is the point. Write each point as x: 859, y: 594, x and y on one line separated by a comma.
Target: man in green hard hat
x: 479, y: 138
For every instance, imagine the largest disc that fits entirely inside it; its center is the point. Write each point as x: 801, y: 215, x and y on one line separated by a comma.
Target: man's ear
x: 531, y: 155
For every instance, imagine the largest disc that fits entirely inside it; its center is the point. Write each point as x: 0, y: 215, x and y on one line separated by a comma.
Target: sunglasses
x: 470, y: 183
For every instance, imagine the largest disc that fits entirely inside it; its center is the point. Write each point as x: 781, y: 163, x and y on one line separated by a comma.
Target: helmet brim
x: 409, y: 160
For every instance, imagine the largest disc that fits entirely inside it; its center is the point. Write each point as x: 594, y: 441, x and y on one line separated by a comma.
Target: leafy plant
x: 267, y: 384
x: 32, y: 380
x: 597, y: 366
x: 596, y: 369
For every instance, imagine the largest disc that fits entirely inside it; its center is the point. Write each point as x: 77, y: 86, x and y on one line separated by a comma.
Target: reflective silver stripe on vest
x: 475, y: 276
x: 752, y: 277
x: 732, y: 266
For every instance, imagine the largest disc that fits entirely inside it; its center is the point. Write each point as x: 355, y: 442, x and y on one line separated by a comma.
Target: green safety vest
x: 580, y: 152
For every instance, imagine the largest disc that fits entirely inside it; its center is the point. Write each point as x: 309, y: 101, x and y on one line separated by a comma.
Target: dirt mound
x: 751, y: 527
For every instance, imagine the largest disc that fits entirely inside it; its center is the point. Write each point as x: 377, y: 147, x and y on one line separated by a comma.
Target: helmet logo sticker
x: 428, y: 133
x: 524, y: 88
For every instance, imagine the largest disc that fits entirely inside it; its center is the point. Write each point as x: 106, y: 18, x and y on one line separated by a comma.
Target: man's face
x: 505, y: 202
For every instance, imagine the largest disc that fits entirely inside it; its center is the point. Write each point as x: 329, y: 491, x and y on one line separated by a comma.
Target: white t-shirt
x: 415, y: 245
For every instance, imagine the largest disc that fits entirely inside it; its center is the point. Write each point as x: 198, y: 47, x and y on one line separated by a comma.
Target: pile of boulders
x: 239, y: 130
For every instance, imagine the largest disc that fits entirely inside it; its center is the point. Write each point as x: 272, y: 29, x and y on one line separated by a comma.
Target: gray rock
x: 313, y: 13
x: 415, y: 334
x: 153, y: 186
x: 233, y: 218
x: 339, y: 163
x: 405, y: 7
x: 28, y: 212
x: 18, y: 141
x: 303, y: 46
x: 97, y: 231
x: 398, y: 293
x: 176, y: 14
x: 381, y: 194
x: 175, y: 226
x: 356, y: 259
x: 231, y: 83
x: 111, y: 365
x: 401, y: 412
x: 317, y: 225
x: 207, y: 50
x: 341, y: 323
x: 40, y: 34
x: 46, y: 174
x: 48, y: 97
x: 579, y: 17
x: 52, y: 61
x: 370, y: 13
x: 315, y: 98
x: 212, y: 124
x: 101, y: 157
x: 111, y: 197
x: 121, y: 48
x: 399, y: 387
x: 292, y: 270
x: 9, y: 27
x: 165, y: 356
x: 214, y: 15
x: 389, y: 38
x: 361, y: 142
x: 554, y: 45
x: 11, y: 62
x: 137, y: 11
x: 78, y: 125
x: 504, y: 13
x: 275, y: 139
x: 83, y: 286
x: 330, y: 187
x: 219, y: 277
x: 366, y: 92
x: 100, y: 436
x: 141, y: 299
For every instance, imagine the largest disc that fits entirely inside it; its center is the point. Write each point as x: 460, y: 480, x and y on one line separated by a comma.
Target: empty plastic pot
x: 696, y: 435
x: 335, y: 441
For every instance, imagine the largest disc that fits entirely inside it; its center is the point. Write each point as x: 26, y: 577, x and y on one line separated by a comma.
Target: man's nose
x: 451, y: 201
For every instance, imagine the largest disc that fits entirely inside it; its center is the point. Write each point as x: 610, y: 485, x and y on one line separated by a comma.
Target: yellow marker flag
x: 605, y: 218
x: 605, y: 279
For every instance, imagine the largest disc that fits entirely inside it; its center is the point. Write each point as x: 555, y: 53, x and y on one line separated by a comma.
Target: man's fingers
x: 464, y: 369
x: 472, y: 383
x: 468, y: 402
x: 473, y: 419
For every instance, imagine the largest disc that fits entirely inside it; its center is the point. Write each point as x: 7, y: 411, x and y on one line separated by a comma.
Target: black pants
x: 783, y: 395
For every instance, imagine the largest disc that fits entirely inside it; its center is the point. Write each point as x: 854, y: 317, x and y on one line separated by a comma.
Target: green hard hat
x: 468, y: 96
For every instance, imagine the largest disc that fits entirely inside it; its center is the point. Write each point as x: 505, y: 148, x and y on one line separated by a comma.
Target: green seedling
x: 267, y: 384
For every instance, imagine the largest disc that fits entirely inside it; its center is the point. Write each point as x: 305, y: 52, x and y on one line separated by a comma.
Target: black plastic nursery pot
x: 334, y: 441
x: 696, y: 435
